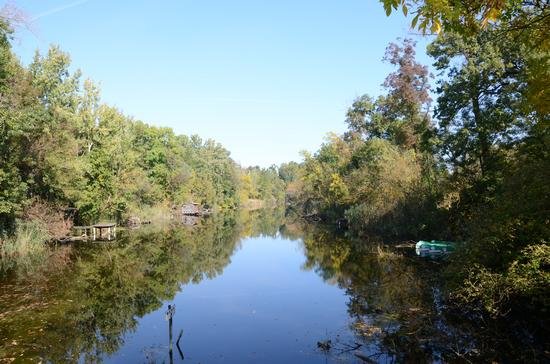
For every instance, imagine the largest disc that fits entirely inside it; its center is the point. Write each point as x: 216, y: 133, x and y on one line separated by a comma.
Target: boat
x: 434, y: 248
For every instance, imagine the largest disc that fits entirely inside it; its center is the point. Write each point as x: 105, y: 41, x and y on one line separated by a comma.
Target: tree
x: 521, y: 22
x: 479, y: 104
x: 289, y: 172
x: 401, y: 115
x: 22, y: 121
x: 472, y: 15
x: 406, y: 105
x: 59, y: 169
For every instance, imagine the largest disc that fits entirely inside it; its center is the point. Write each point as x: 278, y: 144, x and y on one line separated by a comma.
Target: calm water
x: 247, y: 289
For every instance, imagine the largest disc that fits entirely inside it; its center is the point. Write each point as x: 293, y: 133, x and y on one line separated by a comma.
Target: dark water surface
x: 248, y: 288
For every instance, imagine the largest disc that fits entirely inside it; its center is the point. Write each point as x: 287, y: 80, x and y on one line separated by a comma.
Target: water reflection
x: 104, y: 301
x: 391, y: 302
x: 84, y: 309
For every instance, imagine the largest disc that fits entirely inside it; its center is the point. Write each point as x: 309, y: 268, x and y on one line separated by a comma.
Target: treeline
x: 262, y: 187
x: 61, y: 147
x: 472, y: 167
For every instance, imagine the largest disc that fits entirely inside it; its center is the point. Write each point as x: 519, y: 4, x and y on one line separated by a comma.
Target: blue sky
x: 266, y: 79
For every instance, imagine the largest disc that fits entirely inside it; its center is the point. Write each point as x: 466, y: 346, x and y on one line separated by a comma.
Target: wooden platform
x: 102, y: 231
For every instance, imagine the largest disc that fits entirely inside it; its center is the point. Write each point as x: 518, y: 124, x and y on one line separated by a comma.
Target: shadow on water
x: 84, y: 309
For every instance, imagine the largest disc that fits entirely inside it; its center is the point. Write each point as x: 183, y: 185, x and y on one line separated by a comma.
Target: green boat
x: 434, y: 248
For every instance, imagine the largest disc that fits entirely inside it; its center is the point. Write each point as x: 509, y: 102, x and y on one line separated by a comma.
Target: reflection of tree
x: 388, y: 300
x: 262, y: 222
x: 91, y: 305
x: 396, y: 306
x: 86, y: 308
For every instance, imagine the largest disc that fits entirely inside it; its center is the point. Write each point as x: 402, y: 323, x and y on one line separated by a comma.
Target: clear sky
x: 265, y: 78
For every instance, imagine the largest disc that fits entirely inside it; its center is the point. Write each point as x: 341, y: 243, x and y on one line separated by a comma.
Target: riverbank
x: 32, y: 244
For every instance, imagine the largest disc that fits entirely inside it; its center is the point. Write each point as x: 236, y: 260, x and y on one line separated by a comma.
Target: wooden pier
x: 105, y: 231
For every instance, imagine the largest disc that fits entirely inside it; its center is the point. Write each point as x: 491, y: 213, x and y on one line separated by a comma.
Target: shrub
x: 525, y: 284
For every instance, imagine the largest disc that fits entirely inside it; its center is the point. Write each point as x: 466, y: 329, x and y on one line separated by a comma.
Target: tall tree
x: 402, y: 115
x: 480, y: 95
x: 15, y: 104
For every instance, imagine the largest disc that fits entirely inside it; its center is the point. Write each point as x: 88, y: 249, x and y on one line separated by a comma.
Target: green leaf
x: 387, y: 7
x: 415, y: 20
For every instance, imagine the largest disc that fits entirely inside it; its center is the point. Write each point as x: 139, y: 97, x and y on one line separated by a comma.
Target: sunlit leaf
x: 436, y: 27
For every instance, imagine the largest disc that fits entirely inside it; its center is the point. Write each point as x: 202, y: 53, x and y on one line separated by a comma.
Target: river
x: 252, y: 287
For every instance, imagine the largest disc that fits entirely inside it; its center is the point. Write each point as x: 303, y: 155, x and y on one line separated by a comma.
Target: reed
x: 26, y: 248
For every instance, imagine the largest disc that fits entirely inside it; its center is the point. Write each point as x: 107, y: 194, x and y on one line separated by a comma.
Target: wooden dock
x: 104, y: 231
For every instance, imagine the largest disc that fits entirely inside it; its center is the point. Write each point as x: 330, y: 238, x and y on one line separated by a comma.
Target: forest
x: 460, y: 155
x: 62, y: 149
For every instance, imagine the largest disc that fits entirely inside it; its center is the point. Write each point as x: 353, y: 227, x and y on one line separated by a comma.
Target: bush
x: 525, y: 284
x: 49, y: 217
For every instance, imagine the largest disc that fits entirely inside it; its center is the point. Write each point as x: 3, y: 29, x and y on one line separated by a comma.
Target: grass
x: 26, y: 248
